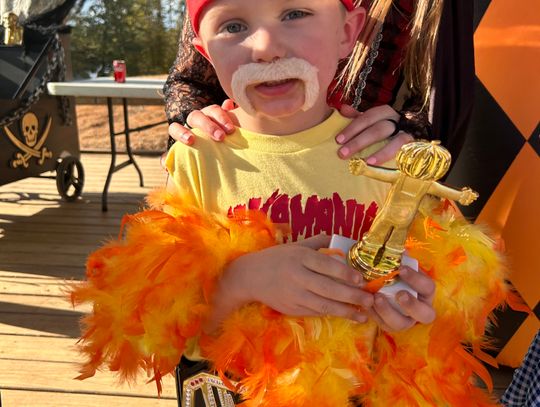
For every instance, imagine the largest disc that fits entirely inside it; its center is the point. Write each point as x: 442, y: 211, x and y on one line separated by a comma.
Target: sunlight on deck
x: 43, y: 245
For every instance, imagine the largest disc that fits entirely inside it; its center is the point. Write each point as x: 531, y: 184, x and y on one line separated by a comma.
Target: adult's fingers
x: 377, y: 132
x: 181, y: 133
x: 207, y: 121
x: 365, y: 120
x: 390, y: 150
x: 228, y: 104
x: 199, y: 120
x: 220, y: 116
x: 349, y: 111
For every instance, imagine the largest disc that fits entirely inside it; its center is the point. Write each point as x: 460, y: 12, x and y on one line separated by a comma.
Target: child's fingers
x: 316, y: 242
x: 419, y: 282
x: 392, y: 319
x: 335, y: 290
x: 417, y: 310
x: 331, y: 267
x: 324, y: 307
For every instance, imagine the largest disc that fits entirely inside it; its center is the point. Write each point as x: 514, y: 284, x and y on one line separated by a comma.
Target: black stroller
x: 38, y: 132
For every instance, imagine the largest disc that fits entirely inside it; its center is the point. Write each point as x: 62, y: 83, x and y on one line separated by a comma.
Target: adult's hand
x: 367, y: 128
x: 370, y: 127
x: 212, y: 119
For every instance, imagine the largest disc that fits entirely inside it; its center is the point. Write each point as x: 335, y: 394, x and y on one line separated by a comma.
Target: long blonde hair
x: 420, y: 54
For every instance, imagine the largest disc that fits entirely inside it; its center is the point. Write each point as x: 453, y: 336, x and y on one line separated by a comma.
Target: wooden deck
x: 43, y: 242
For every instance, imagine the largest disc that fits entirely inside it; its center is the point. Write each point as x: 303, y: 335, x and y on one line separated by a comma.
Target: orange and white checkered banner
x: 501, y: 156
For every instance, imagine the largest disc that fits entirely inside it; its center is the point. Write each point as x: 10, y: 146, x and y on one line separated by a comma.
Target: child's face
x: 235, y: 33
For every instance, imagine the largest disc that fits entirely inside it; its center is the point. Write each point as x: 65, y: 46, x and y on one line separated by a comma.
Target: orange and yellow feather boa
x: 151, y: 290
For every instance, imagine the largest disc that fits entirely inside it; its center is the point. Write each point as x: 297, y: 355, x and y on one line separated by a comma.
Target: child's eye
x: 233, y: 28
x: 295, y: 14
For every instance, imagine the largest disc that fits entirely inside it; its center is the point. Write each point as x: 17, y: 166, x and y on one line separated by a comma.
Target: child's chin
x: 279, y: 110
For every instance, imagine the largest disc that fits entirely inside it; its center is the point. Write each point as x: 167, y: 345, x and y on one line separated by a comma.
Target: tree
x: 142, y: 32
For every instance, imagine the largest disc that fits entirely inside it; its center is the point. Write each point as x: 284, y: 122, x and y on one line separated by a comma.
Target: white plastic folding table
x: 106, y: 88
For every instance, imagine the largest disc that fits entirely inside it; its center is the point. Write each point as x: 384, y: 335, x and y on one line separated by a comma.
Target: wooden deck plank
x: 29, y: 320
x: 38, y: 304
x: 46, y: 247
x: 51, y: 259
x: 43, y: 243
x: 17, y: 398
x: 11, y: 287
x: 51, y: 376
x: 68, y: 272
x: 31, y: 348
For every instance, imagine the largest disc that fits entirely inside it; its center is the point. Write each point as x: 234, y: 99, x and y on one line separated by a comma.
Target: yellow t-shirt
x: 296, y: 179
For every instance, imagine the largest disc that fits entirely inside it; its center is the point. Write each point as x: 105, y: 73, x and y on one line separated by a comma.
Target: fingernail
x: 361, y: 318
x: 403, y: 298
x: 379, y: 300
x: 371, y: 161
x: 357, y: 279
x: 219, y: 135
x: 344, y: 152
x: 186, y: 137
x: 229, y: 128
x: 340, y: 138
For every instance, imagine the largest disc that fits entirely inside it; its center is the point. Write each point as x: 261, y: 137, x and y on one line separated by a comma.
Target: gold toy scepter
x: 420, y: 164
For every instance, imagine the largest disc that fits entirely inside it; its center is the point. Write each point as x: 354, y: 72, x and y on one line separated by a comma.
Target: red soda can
x: 119, y: 68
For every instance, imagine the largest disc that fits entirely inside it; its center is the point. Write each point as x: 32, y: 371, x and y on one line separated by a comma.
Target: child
x: 186, y: 277
x: 276, y: 59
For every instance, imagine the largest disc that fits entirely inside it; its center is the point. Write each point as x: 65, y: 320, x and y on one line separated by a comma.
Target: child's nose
x: 267, y: 46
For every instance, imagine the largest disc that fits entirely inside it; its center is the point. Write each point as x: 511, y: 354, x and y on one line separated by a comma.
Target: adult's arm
x: 192, y: 83
x: 454, y: 78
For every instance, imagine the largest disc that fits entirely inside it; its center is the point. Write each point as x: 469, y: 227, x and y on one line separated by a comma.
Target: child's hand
x: 295, y: 279
x: 416, y: 309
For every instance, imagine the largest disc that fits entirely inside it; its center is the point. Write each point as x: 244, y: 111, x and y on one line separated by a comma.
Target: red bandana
x: 196, y: 7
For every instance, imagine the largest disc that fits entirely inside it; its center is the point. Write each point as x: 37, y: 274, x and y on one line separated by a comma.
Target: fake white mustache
x: 281, y: 69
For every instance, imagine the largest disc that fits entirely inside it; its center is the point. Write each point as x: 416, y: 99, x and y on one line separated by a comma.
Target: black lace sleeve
x: 192, y: 82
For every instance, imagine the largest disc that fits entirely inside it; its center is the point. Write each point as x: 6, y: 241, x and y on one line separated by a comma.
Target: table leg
x: 113, y: 155
x: 128, y: 143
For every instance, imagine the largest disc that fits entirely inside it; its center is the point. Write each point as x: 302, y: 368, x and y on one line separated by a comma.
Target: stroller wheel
x: 70, y: 178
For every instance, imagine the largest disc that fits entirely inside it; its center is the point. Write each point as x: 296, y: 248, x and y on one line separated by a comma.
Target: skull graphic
x: 29, y: 127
